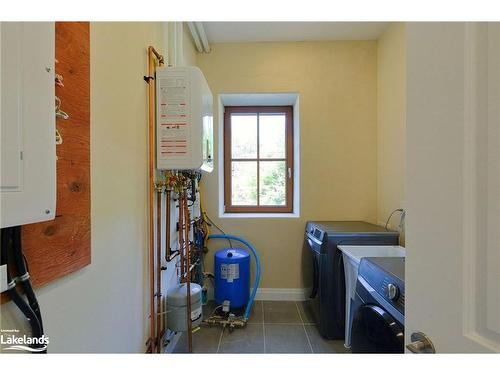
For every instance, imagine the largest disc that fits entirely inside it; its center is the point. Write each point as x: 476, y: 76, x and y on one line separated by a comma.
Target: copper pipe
x: 151, y: 131
x: 181, y: 235
x: 188, y: 277
x: 159, y: 316
x: 159, y: 57
x: 187, y: 226
x: 167, y: 224
x: 152, y: 53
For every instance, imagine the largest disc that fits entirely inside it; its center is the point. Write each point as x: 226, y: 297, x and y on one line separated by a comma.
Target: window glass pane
x: 244, y: 136
x: 244, y: 183
x: 272, y: 137
x: 272, y: 183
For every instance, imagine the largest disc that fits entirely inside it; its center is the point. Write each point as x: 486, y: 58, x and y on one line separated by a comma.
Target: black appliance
x: 379, y: 306
x: 328, y: 294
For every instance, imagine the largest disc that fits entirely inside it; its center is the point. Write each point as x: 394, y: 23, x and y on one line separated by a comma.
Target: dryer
x: 322, y: 238
x: 378, y: 319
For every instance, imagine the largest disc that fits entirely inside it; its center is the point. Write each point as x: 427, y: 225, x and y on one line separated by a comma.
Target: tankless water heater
x: 184, y: 115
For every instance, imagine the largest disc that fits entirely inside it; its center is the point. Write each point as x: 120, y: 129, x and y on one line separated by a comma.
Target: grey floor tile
x: 243, y: 340
x: 208, y: 308
x: 286, y: 338
x: 282, y: 331
x: 205, y: 340
x: 305, y: 310
x: 321, y: 345
x: 256, y: 313
x: 281, y: 312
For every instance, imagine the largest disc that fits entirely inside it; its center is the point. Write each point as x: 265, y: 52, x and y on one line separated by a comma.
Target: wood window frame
x: 289, y: 159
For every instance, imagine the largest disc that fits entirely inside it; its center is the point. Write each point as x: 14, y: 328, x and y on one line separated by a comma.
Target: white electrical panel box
x: 184, y: 115
x: 27, y: 123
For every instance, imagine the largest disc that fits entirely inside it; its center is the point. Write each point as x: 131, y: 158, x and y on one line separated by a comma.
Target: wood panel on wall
x: 58, y: 247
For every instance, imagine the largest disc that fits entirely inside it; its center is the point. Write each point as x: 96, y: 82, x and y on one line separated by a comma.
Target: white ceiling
x: 232, y: 32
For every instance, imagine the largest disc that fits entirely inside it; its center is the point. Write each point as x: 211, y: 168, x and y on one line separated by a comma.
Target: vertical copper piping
x: 151, y: 132
x: 181, y: 235
x: 167, y: 224
x: 158, y: 269
x: 152, y: 53
x: 188, y: 272
x: 186, y: 231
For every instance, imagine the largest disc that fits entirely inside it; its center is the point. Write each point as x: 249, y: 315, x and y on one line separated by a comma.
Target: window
x: 258, y: 159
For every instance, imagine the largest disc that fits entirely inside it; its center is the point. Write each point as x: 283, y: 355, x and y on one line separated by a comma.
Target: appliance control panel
x: 388, y: 286
x: 314, y: 232
x: 393, y: 293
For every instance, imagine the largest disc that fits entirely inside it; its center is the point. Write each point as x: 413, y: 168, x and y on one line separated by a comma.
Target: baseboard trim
x: 282, y: 294
x: 276, y: 294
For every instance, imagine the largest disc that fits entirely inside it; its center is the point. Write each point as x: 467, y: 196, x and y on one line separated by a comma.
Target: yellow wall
x: 391, y: 121
x: 337, y: 84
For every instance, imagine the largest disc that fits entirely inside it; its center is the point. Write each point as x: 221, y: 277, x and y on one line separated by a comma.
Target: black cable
x: 7, y: 234
x: 23, y: 274
x: 26, y: 262
x: 215, y: 225
x: 390, y: 216
x: 193, y: 189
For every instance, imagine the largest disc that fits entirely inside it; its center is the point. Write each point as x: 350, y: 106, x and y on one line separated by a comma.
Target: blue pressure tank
x: 232, y: 277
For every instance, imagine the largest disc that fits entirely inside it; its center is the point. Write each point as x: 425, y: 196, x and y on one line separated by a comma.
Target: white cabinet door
x: 453, y: 185
x: 27, y: 122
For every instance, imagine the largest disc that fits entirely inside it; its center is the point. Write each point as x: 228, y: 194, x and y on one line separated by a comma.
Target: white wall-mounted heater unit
x: 184, y: 116
x: 27, y: 123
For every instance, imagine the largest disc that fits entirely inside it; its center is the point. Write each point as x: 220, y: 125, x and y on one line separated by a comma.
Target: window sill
x: 256, y: 215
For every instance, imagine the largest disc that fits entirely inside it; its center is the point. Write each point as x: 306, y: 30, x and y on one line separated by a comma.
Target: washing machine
x: 322, y: 238
x: 378, y: 320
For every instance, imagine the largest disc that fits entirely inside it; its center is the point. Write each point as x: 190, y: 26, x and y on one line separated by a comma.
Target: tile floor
x: 273, y: 327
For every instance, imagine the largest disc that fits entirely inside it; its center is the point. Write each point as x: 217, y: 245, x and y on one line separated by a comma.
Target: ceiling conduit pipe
x: 203, y: 37
x: 199, y: 36
x: 196, y: 38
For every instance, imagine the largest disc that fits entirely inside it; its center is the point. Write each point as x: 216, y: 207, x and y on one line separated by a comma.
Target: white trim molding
x: 481, y: 261
x: 256, y: 99
x: 283, y: 294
